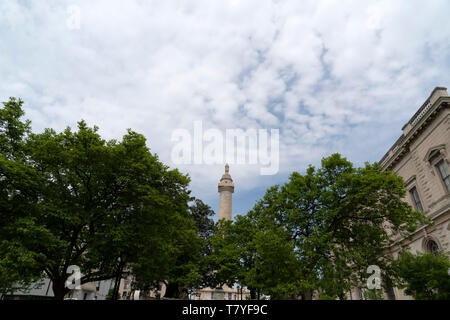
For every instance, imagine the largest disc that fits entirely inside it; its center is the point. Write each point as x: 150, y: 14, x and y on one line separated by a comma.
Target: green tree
x: 13, y: 131
x: 425, y: 276
x: 18, y: 186
x: 223, y: 261
x: 189, y: 271
x: 72, y: 198
x: 321, y: 230
x: 202, y: 214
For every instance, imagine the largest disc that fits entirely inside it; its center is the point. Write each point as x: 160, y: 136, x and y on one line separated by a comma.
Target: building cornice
x: 419, y: 122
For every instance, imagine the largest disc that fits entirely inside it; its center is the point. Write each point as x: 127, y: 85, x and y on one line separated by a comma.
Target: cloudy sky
x: 332, y: 76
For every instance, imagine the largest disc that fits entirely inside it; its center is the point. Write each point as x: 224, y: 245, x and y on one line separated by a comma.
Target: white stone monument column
x: 226, y: 189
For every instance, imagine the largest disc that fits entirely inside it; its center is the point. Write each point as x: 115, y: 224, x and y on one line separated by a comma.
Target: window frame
x: 413, y: 198
x: 426, y: 245
x: 442, y: 178
x: 433, y: 157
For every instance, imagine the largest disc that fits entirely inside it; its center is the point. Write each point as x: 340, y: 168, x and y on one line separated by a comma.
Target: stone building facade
x: 224, y: 293
x: 421, y: 156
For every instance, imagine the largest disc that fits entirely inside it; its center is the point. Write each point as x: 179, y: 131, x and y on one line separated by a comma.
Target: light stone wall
x: 225, y: 204
x: 224, y: 293
x: 417, y: 171
x: 226, y: 189
x: 427, y: 179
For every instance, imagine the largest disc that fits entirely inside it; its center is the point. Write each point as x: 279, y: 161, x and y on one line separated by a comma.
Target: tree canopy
x: 318, y: 232
x: 73, y: 198
x: 425, y: 276
x: 112, y: 207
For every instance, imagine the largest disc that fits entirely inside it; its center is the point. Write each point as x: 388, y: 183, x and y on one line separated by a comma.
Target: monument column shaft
x: 226, y: 189
x: 225, y: 204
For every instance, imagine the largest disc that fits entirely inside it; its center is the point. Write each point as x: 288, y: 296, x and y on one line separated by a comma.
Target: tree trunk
x: 172, y: 290
x: 117, y: 280
x: 252, y: 294
x: 59, y: 289
x: 184, y: 292
x: 307, y: 295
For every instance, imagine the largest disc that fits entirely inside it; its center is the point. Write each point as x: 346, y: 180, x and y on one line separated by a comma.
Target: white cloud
x: 327, y: 73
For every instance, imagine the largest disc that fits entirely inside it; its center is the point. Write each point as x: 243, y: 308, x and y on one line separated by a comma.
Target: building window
x: 416, y: 199
x: 212, y: 295
x: 443, y: 170
x: 229, y: 296
x: 432, y: 247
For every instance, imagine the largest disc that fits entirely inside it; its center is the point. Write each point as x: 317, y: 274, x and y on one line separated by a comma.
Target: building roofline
x: 424, y: 105
x: 416, y: 123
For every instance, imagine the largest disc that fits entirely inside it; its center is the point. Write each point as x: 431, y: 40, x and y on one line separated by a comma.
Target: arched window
x: 431, y: 246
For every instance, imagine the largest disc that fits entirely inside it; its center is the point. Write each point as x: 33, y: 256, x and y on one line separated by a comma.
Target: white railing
x: 420, y: 115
